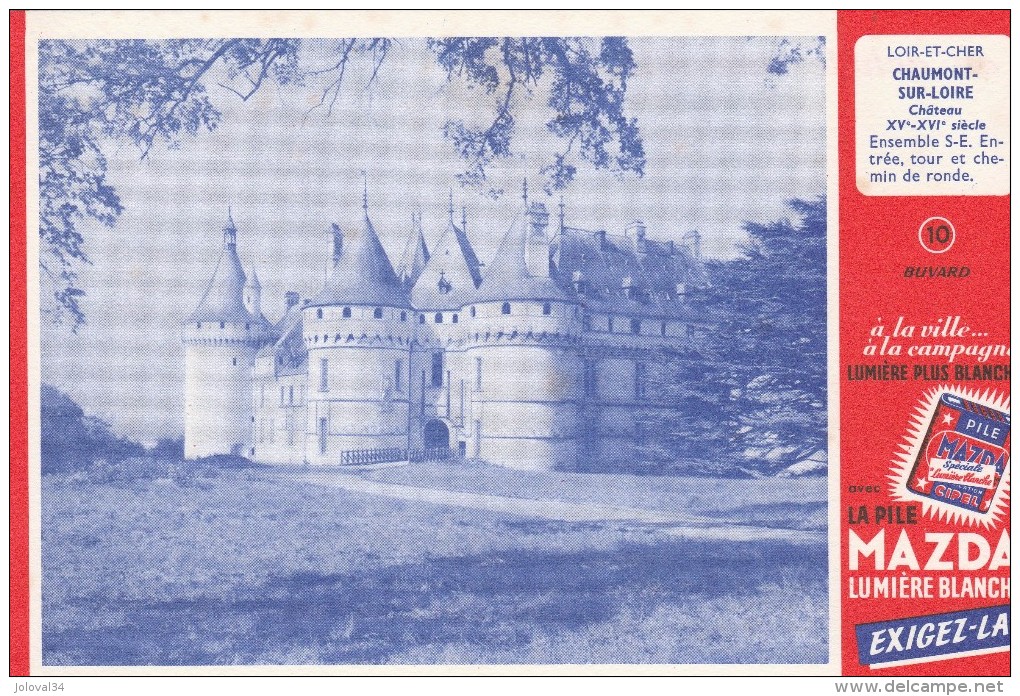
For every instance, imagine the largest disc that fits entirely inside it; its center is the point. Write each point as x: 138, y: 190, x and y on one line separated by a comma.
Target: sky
x: 726, y: 142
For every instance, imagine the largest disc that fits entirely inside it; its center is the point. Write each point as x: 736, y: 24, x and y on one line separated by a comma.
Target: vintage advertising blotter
x: 491, y: 343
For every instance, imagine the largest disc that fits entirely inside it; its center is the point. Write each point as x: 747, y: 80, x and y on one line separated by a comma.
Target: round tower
x: 358, y: 332
x: 221, y: 338
x: 523, y: 334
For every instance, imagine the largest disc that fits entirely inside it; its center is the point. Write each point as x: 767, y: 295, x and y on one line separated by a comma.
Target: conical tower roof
x: 224, y: 298
x: 451, y: 272
x: 364, y: 275
x: 416, y: 254
x: 508, y: 278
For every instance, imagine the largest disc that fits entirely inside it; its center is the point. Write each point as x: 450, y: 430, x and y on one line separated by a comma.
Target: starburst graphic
x: 993, y: 508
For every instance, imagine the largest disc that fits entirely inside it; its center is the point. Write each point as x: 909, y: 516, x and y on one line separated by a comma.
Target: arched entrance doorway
x: 437, y: 435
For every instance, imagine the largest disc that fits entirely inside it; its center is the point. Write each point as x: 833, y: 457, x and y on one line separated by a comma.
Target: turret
x: 357, y: 331
x: 221, y: 338
x: 520, y: 317
x: 416, y: 254
x: 253, y: 294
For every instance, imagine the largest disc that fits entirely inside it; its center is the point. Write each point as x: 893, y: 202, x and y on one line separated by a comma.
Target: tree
x: 153, y: 93
x: 72, y: 440
x: 754, y: 393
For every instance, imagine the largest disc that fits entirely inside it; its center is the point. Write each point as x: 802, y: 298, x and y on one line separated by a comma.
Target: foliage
x: 145, y: 92
x: 754, y: 394
x: 588, y: 82
x: 72, y: 441
x: 152, y: 93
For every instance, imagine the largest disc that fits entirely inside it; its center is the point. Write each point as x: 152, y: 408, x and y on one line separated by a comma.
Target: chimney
x: 291, y: 299
x: 637, y: 231
x: 337, y: 245
x: 693, y: 242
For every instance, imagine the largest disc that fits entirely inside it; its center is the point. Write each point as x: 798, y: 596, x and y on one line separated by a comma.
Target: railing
x: 363, y: 457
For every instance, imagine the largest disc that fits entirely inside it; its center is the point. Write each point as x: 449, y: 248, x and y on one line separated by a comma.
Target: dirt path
x: 673, y: 524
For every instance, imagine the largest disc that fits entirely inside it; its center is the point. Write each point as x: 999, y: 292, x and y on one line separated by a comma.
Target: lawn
x: 241, y: 568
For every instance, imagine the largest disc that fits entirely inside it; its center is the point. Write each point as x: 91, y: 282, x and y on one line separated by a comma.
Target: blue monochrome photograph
x: 450, y: 351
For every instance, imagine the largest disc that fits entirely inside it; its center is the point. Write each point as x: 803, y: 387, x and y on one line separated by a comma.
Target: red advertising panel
x: 924, y: 342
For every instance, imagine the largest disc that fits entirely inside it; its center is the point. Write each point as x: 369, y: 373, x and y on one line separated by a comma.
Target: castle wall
x: 217, y: 388
x: 357, y: 381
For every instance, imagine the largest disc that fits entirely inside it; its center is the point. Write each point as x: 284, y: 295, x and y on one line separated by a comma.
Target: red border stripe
x: 19, y: 599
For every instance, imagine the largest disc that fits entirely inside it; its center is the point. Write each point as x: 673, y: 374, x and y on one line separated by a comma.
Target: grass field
x: 243, y: 568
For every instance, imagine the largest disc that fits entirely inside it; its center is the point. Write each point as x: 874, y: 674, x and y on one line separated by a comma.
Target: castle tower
x: 358, y: 333
x: 253, y: 294
x: 441, y: 389
x: 221, y: 338
x: 524, y: 335
x: 416, y: 254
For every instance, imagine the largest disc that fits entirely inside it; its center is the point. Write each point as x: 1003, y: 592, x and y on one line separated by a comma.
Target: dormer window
x: 347, y: 312
x: 444, y: 285
x: 378, y: 313
x: 506, y: 308
x: 635, y: 326
x: 547, y: 309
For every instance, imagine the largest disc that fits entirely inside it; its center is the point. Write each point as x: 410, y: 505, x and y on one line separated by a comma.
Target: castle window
x: 281, y: 396
x: 437, y: 369
x: 398, y: 375
x: 324, y: 374
x: 290, y: 394
x: 609, y: 325
x: 547, y: 308
x: 590, y: 378
x: 235, y: 362
x: 455, y: 318
x: 323, y: 433
x: 662, y: 329
x: 635, y: 326
x: 279, y: 360
x: 506, y: 308
x: 378, y: 313
x: 347, y: 312
x: 200, y: 325
x: 318, y: 313
x: 586, y: 321
x: 247, y: 327
x: 421, y: 318
x: 639, y: 380
x: 472, y: 314
x: 478, y: 374
x: 439, y: 317
x: 403, y: 316
x: 223, y: 324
